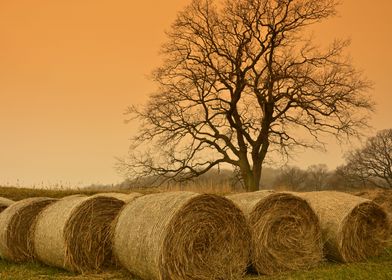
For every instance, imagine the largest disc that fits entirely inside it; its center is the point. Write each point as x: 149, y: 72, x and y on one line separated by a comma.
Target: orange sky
x: 69, y: 68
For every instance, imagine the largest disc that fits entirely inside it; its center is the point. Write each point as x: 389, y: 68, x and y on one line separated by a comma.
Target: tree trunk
x: 253, y: 184
x: 251, y: 180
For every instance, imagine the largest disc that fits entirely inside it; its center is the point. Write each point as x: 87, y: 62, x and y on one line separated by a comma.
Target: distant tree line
x: 366, y: 167
x: 316, y: 177
x: 370, y: 165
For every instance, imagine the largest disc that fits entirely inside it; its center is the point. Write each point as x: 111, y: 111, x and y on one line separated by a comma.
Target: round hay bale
x: 382, y: 198
x: 121, y: 196
x: 353, y: 228
x: 15, y: 224
x: 285, y: 231
x: 4, y: 203
x: 182, y: 235
x: 75, y: 232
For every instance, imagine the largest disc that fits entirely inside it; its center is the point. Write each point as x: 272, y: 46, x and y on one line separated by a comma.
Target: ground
x: 376, y: 268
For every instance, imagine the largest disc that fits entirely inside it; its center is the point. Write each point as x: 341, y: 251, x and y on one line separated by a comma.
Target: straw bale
x: 382, y: 198
x: 121, y: 196
x: 353, y: 228
x: 285, y: 231
x: 75, y: 232
x: 15, y: 225
x: 182, y: 235
x: 4, y: 203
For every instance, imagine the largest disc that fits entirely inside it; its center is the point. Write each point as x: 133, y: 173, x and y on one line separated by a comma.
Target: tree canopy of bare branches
x: 240, y: 79
x: 371, y: 164
x: 315, y: 178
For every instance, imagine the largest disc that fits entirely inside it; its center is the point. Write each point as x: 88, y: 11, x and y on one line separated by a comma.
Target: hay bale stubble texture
x: 121, y: 196
x: 382, y: 198
x: 182, y: 235
x: 285, y: 231
x: 4, y: 203
x: 15, y: 227
x: 353, y: 228
x: 75, y: 232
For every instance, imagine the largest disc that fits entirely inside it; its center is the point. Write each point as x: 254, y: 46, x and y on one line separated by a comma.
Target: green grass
x: 36, y: 271
x: 376, y: 268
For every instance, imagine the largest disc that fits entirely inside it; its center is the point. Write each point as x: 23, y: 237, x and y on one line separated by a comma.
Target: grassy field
x: 21, y: 193
x: 376, y: 268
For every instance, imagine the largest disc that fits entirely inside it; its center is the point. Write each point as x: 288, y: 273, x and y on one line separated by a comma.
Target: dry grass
x: 15, y: 226
x: 286, y: 234
x: 4, y: 203
x: 182, y: 235
x: 16, y: 194
x: 353, y: 228
x: 381, y: 197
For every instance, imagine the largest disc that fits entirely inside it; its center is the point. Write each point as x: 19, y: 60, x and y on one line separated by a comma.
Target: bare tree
x: 240, y: 79
x: 317, y: 177
x: 292, y: 178
x: 372, y: 164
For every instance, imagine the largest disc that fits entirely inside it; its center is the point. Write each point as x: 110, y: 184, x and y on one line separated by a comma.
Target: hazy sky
x: 69, y: 69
